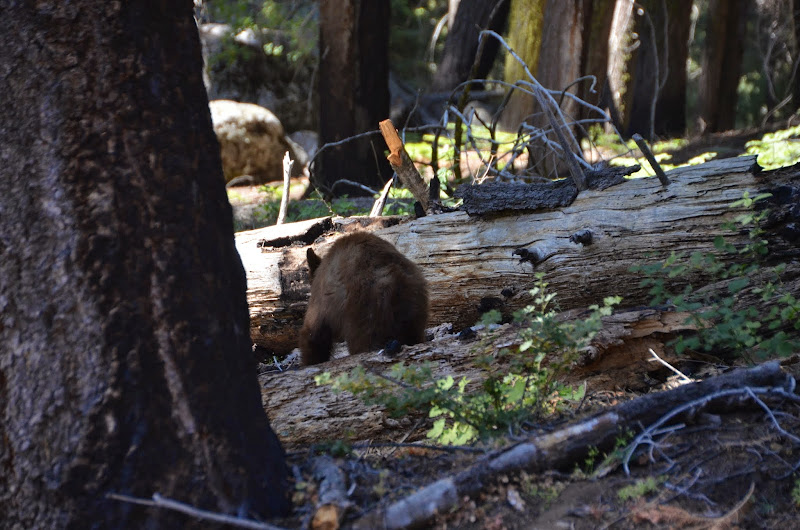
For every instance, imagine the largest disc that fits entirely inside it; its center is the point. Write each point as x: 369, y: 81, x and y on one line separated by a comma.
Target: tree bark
x: 125, y: 362
x: 598, y: 16
x: 659, y: 70
x: 470, y: 18
x: 477, y: 263
x: 526, y: 19
x: 353, y: 93
x: 722, y: 60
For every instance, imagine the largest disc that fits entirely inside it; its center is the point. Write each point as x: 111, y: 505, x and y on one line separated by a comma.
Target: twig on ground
x: 683, y: 376
x: 163, y: 502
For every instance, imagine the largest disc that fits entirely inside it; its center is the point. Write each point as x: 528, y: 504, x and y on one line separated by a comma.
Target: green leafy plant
x: 796, y: 493
x: 523, y: 387
x: 639, y: 489
x: 723, y: 322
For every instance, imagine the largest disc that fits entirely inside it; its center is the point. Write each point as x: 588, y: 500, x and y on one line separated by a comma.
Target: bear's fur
x: 366, y: 293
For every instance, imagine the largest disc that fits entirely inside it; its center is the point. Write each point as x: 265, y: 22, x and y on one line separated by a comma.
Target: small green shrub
x: 639, y: 489
x: 723, y: 324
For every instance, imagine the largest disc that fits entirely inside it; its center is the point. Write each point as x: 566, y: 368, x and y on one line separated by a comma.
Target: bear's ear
x: 313, y: 261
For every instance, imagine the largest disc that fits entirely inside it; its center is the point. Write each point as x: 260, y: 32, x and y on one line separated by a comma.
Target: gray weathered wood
x: 471, y: 264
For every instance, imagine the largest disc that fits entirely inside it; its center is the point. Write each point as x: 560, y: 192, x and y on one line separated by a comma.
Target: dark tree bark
x: 659, y: 69
x: 461, y: 45
x: 796, y: 85
x: 597, y: 18
x: 125, y: 362
x: 353, y: 93
x: 722, y: 60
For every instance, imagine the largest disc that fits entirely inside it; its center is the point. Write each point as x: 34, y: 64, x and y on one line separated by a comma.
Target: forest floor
x: 731, y: 468
x: 728, y: 468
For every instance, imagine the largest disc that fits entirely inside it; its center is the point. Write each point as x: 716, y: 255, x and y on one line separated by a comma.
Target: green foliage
x: 590, y: 462
x: 523, y: 387
x: 723, y: 323
x: 777, y: 149
x: 639, y: 489
x: 796, y: 492
x: 290, y: 29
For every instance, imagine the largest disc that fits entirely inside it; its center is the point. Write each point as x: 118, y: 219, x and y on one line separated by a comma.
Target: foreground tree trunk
x: 353, y: 93
x: 125, y: 362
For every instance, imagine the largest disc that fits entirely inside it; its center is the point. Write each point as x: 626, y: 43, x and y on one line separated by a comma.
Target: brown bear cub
x: 366, y: 293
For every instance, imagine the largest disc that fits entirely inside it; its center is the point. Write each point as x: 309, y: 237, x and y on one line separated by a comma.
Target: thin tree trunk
x: 125, y: 362
x: 353, y: 92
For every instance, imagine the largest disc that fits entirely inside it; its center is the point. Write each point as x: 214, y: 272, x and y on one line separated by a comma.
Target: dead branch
x: 287, y: 173
x: 406, y: 171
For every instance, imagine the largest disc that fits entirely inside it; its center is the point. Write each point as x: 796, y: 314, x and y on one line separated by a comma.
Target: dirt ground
x: 730, y: 467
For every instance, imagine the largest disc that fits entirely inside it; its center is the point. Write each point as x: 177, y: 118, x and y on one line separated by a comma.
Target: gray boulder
x: 252, y: 141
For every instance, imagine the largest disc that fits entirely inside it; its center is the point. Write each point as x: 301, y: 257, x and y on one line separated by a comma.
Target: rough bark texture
x: 471, y: 17
x: 124, y: 347
x: 618, y: 53
x: 659, y: 70
x: 597, y: 16
x: 722, y: 60
x: 474, y: 264
x: 353, y: 92
x: 525, y: 22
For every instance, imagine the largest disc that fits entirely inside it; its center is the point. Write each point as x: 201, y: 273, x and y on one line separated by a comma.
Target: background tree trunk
x: 353, y: 93
x: 796, y: 85
x: 598, y: 16
x: 525, y: 21
x: 618, y: 58
x: 722, y: 59
x: 125, y: 362
x: 658, y: 69
x: 471, y: 17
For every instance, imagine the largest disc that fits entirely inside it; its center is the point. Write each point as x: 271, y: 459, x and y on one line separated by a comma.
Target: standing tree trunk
x: 125, y: 362
x: 722, y: 60
x: 557, y: 66
x: 796, y: 24
x: 619, y: 43
x: 670, y: 119
x: 659, y: 69
x: 525, y: 22
x: 353, y: 93
x: 461, y: 45
x: 598, y: 16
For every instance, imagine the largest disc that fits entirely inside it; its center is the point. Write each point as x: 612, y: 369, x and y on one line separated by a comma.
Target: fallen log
x: 302, y: 413
x: 585, y: 249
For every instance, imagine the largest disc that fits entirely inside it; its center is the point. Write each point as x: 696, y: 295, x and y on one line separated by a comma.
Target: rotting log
x: 302, y: 413
x: 585, y: 249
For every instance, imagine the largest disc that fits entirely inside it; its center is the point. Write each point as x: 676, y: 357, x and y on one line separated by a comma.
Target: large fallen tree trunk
x: 585, y: 249
x: 303, y: 413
